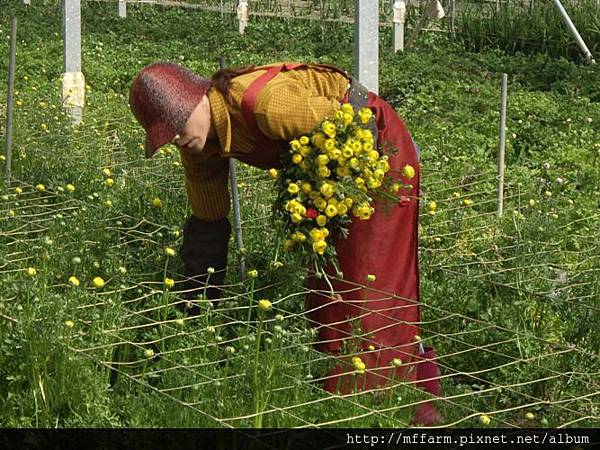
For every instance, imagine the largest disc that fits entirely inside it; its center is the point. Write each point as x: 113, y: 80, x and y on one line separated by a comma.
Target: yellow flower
x: 40, y: 187
x: 319, y: 140
x: 319, y: 247
x: 347, y: 118
x: 169, y: 282
x: 293, y: 188
x: 288, y: 244
x: 169, y: 251
x: 327, y: 189
x: 432, y: 207
x: 109, y: 182
x: 408, y: 171
x: 148, y: 353
x: 295, y: 145
x: 529, y: 416
x: 342, y: 209
x: 347, y: 152
x: 348, y: 202
x: 11, y: 213
x: 18, y: 190
x: 73, y: 281
x: 298, y: 237
x: 253, y: 273
x: 296, y: 218
x: 264, y: 304
x: 31, y: 271
x: 321, y: 220
x: 417, y: 338
x: 396, y: 362
x: 371, y: 277
x: 98, y: 282
x: 331, y: 211
x: 106, y: 171
x: 320, y: 203
x: 108, y: 203
x: 467, y: 202
x: 531, y: 202
x: 347, y: 109
x: 359, y: 365
x: 306, y: 188
x: 273, y: 173
x: 296, y: 158
x: 157, y: 202
x: 329, y: 144
x: 484, y: 419
x: 328, y: 128
x: 365, y: 114
x: 304, y: 140
x: 322, y: 160
x: 548, y: 193
x: 69, y: 323
x: 324, y: 171
x: 69, y: 187
x: 305, y: 151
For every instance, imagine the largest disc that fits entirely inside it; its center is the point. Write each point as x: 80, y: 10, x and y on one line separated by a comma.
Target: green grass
x: 509, y: 303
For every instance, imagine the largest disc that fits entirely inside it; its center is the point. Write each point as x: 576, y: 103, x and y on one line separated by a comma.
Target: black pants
x: 205, y: 245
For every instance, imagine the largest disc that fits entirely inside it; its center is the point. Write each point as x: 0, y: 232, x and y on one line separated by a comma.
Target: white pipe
x: 574, y: 31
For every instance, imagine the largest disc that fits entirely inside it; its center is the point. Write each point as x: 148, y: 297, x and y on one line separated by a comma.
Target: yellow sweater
x: 291, y: 104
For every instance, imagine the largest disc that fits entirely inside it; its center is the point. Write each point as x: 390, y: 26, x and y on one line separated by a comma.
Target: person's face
x: 194, y: 134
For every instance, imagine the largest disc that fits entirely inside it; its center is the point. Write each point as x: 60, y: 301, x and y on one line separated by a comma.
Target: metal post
x: 502, y: 145
x: 122, y: 8
x: 574, y: 31
x: 73, y: 87
x: 235, y: 198
x: 10, y: 98
x: 242, y: 13
x: 366, y: 43
x: 453, y: 9
x: 399, y: 8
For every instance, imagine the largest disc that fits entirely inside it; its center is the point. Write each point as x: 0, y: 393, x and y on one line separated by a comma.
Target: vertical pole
x: 122, y: 8
x: 27, y: 2
x: 10, y: 98
x: 453, y: 9
x: 242, y: 13
x: 235, y: 198
x: 73, y: 89
x: 366, y: 43
x: 222, y: 10
x: 399, y: 8
x: 574, y: 32
x: 502, y: 145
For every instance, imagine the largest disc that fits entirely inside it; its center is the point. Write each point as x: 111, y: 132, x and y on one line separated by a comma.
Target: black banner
x: 292, y: 439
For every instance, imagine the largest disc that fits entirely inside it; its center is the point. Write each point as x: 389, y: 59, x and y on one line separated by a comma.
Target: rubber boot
x: 205, y: 245
x: 428, y: 379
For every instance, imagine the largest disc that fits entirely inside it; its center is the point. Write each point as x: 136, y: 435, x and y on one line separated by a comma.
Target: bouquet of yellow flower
x: 328, y: 177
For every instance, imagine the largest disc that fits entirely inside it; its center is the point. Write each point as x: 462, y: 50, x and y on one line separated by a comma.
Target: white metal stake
x: 122, y: 8
x: 366, y: 43
x: 502, y: 144
x: 242, y: 14
x: 399, y: 8
x: 235, y: 199
x: 10, y: 98
x: 73, y: 86
x: 574, y: 32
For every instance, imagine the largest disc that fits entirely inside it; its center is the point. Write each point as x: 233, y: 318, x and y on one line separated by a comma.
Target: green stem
x: 257, y: 391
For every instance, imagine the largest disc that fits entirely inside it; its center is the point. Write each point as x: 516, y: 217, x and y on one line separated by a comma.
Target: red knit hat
x: 162, y: 98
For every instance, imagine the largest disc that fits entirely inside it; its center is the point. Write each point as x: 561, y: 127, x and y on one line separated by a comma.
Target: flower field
x: 93, y: 332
